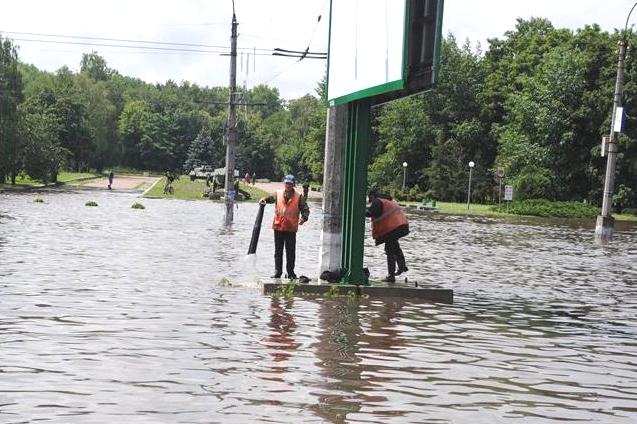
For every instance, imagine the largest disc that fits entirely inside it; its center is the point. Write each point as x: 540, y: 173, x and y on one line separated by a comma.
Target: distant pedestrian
x: 306, y: 189
x: 168, y: 188
x: 215, y: 183
x: 110, y: 180
x: 247, y: 178
x: 254, y: 178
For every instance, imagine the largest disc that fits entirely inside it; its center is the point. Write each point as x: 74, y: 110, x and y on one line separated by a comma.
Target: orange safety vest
x: 391, y: 218
x: 286, y: 215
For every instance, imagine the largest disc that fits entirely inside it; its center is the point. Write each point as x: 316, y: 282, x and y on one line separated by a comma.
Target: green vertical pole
x: 358, y: 133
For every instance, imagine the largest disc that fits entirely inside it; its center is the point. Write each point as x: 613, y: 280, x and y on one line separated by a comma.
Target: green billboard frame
x: 402, y: 87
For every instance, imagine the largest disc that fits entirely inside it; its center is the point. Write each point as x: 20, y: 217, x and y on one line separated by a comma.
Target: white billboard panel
x: 366, y: 48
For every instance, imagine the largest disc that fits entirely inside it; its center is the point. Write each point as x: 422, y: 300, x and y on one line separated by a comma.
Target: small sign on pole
x: 619, y: 120
x: 500, y: 173
x: 605, y: 140
x: 508, y: 192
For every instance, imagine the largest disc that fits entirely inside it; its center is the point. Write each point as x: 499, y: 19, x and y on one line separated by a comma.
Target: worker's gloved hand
x: 262, y: 201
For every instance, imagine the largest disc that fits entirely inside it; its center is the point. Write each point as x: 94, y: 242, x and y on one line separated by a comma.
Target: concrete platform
x: 376, y: 290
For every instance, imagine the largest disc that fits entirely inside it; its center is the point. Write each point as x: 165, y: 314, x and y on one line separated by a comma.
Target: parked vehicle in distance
x: 201, y: 172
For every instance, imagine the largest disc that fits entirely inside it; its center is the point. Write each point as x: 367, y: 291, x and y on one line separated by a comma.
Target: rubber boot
x: 402, y: 266
x: 278, y: 266
x: 391, y: 269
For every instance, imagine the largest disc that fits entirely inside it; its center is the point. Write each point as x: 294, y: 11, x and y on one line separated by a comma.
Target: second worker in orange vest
x: 290, y: 211
x: 389, y: 223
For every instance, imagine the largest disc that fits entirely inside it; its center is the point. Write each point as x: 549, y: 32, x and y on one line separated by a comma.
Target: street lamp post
x: 471, y: 165
x: 404, y: 174
x: 605, y: 221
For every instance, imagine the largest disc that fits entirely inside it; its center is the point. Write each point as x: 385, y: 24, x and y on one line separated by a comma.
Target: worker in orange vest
x: 389, y: 224
x: 290, y: 211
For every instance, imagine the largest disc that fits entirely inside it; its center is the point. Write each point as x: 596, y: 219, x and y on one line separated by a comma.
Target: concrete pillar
x: 331, y: 237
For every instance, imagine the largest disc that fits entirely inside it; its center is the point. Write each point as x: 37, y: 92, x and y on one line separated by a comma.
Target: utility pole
x: 605, y: 221
x: 231, y: 137
x: 331, y: 238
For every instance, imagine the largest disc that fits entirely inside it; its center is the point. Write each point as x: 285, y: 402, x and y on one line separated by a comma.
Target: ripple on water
x: 111, y: 314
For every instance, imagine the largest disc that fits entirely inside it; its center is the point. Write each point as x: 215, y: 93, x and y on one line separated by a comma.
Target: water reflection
x: 280, y: 340
x: 336, y: 350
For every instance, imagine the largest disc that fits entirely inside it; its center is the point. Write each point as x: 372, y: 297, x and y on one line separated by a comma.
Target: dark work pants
x: 394, y: 254
x: 287, y: 239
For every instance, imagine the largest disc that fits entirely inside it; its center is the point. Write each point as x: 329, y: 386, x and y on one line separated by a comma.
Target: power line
x: 297, y: 54
x: 279, y: 73
x: 261, y: 37
x: 207, y: 46
x: 195, y: 24
x: 131, y: 46
x: 316, y: 24
x: 113, y: 52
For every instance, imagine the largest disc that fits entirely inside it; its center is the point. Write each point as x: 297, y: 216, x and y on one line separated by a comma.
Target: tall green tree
x: 207, y: 148
x: 10, y: 98
x: 43, y: 154
x: 266, y: 99
x: 538, y: 143
x: 101, y: 122
x: 438, y: 132
x: 65, y: 102
x: 95, y: 67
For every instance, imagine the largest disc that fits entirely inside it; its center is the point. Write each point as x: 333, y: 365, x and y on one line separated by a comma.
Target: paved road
x: 124, y: 182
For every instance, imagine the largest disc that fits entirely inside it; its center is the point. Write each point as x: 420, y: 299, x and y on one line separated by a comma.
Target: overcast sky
x: 263, y: 24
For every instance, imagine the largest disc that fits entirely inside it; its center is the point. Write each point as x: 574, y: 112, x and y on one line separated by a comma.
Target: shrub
x: 412, y: 194
x: 533, y: 183
x: 38, y: 200
x: 624, y: 198
x: 90, y: 203
x: 543, y: 207
x: 138, y: 206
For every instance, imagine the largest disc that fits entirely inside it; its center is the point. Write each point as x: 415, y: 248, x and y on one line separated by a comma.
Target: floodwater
x: 115, y: 315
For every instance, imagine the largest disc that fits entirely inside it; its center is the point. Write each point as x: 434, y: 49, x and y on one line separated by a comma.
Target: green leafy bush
x: 38, y: 200
x: 137, y: 205
x: 624, y: 198
x: 90, y: 203
x: 412, y: 194
x: 543, y: 207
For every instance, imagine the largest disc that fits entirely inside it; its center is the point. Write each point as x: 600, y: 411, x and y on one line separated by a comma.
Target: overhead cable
x: 164, y: 43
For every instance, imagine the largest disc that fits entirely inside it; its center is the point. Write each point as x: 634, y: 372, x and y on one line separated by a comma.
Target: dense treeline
x: 535, y: 103
x: 97, y: 119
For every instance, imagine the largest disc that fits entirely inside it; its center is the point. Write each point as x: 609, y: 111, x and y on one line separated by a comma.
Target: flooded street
x: 110, y: 314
